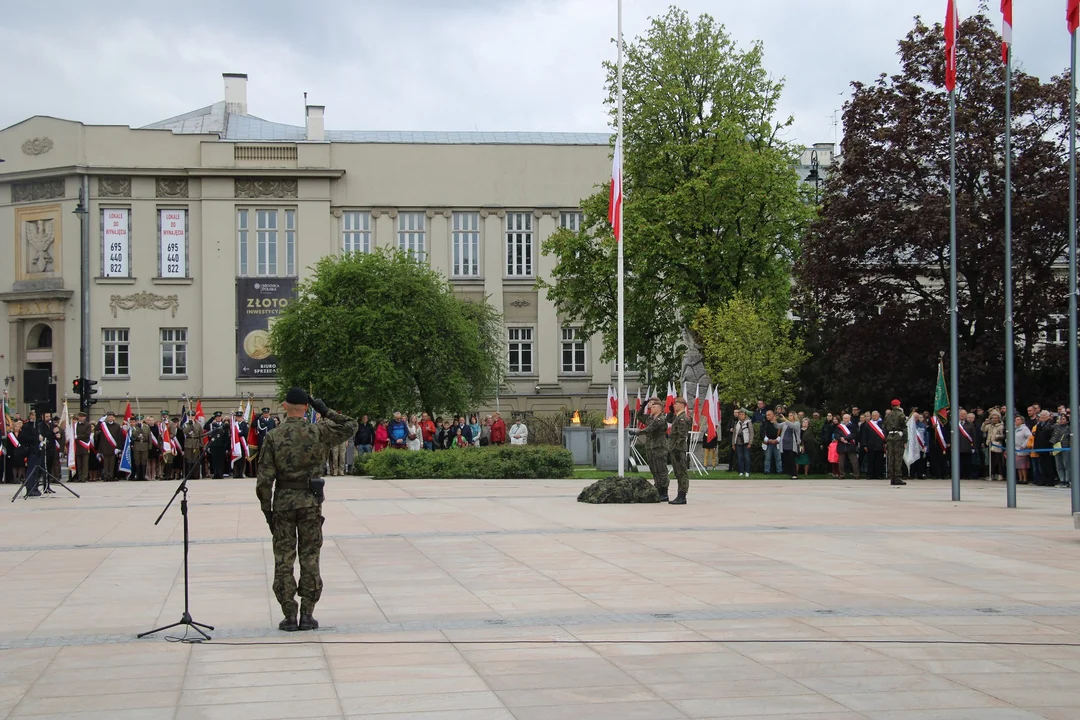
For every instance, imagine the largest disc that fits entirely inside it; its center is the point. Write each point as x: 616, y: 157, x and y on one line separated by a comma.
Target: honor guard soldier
x: 290, y: 492
x: 140, y: 449
x: 680, y: 446
x: 239, y: 466
x: 896, y: 437
x: 193, y: 445
x: 656, y: 446
x: 219, y: 446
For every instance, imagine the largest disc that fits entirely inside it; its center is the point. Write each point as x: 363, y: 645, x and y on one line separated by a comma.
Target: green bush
x: 485, y: 463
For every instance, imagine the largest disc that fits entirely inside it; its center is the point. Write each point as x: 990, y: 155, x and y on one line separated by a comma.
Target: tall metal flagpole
x: 1074, y: 382
x: 620, y: 357
x: 1010, y: 392
x: 954, y: 364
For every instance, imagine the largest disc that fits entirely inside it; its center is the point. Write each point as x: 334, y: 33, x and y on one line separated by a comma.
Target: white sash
x: 877, y: 428
x: 107, y: 434
x: 14, y: 440
x: 843, y: 427
x: 965, y: 432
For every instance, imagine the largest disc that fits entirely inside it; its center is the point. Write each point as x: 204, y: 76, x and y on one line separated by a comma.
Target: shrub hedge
x: 484, y: 463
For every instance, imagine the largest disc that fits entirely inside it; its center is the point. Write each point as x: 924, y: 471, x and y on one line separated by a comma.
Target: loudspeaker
x: 35, y: 387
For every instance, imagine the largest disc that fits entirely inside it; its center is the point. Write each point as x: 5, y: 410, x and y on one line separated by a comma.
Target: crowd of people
x: 423, y: 433
x: 855, y: 441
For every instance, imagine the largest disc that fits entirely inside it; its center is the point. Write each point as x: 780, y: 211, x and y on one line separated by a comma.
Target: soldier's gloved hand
x: 269, y: 514
x: 320, y: 406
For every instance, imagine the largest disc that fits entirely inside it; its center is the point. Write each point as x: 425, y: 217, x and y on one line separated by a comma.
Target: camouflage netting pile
x: 620, y: 490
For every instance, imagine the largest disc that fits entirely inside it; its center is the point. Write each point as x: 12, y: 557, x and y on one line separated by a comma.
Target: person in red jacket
x: 498, y: 430
x: 382, y: 437
x: 427, y: 428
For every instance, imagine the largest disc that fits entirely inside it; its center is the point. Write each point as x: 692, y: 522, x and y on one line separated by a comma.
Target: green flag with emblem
x: 941, y: 395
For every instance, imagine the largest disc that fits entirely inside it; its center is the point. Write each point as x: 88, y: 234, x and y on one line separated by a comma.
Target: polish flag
x: 612, y: 403
x: 234, y: 440
x: 626, y: 412
x: 1006, y: 29
x: 952, y: 28
x: 199, y: 417
x: 615, y: 199
x: 715, y: 409
x: 707, y: 410
x: 1072, y: 15
x: 670, y: 397
x: 127, y: 414
x: 697, y: 408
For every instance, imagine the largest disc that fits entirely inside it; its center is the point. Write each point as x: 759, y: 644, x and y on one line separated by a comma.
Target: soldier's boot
x: 307, y: 621
x: 898, y: 481
x: 680, y: 499
x: 288, y: 624
x: 663, y: 495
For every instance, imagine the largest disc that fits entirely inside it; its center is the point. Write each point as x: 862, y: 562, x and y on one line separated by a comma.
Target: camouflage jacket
x: 680, y: 433
x: 656, y: 438
x: 140, y: 439
x: 896, y: 422
x: 294, y: 452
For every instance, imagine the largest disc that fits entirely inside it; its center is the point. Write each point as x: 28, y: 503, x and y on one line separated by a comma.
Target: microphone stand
x: 185, y: 619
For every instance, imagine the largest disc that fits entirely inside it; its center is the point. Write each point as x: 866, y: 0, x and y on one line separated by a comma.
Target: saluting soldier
x: 656, y: 445
x: 140, y: 449
x: 896, y: 437
x: 193, y: 445
x: 290, y: 457
x: 680, y: 446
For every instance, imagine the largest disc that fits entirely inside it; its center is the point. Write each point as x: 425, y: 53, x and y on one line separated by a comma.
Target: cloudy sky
x: 437, y: 64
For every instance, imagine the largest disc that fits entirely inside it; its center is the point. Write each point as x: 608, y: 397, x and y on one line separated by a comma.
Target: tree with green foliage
x: 379, y: 332
x: 748, y: 353
x: 713, y: 205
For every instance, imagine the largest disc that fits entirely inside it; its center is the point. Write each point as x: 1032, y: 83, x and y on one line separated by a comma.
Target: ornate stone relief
x: 259, y: 188
x: 39, y: 190
x: 39, y: 235
x: 144, y: 301
x: 521, y: 303
x: 37, y: 146
x: 114, y: 187
x: 24, y: 308
x: 171, y: 188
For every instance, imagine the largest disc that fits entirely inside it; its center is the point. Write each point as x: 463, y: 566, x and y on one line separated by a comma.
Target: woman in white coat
x: 519, y: 433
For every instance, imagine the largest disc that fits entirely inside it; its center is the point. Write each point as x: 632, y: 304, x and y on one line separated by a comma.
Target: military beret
x: 896, y: 403
x: 297, y: 396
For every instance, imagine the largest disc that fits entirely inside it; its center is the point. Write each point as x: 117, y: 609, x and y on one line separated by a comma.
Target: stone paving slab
x: 508, y: 600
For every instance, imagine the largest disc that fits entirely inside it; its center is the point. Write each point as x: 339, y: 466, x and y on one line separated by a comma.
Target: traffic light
x: 89, y: 392
x: 76, y: 387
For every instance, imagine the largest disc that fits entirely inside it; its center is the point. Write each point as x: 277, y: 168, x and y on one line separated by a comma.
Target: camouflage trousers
x: 895, y: 459
x: 679, y: 462
x: 297, y: 533
x: 337, y: 459
x: 658, y: 468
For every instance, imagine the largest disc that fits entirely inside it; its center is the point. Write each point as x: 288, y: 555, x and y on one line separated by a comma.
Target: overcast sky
x: 437, y: 64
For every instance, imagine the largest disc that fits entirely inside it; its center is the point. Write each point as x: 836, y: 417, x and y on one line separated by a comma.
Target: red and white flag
x: 127, y: 414
x: 1072, y: 15
x: 615, y: 199
x: 1006, y: 29
x: 952, y: 29
x: 670, y: 401
x: 697, y: 407
x: 199, y: 417
x: 234, y: 441
x: 612, y: 403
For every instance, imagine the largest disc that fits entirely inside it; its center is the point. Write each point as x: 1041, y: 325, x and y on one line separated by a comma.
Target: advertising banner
x: 258, y: 303
x: 115, y: 237
x: 173, y: 243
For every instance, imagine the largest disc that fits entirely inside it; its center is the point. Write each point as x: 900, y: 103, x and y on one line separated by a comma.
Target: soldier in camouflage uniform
x: 896, y: 438
x: 680, y: 446
x: 193, y: 446
x: 290, y: 456
x: 656, y: 445
x: 140, y: 449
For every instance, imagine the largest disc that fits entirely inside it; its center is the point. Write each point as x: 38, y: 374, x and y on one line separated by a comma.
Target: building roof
x: 248, y: 128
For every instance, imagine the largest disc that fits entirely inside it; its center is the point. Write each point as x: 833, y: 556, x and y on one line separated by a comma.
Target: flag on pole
x: 952, y: 28
x: 941, y: 394
x: 626, y: 412
x: 125, y: 456
x: 670, y: 401
x: 65, y: 425
x: 3, y: 421
x: 1072, y: 15
x: 615, y: 199
x: 199, y: 417
x: 1006, y: 29
x: 697, y: 407
x: 613, y: 403
x: 237, y: 451
x: 127, y: 414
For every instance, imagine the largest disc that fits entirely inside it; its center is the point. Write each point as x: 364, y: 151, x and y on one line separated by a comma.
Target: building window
x: 411, y: 234
x: 466, y: 242
x: 173, y: 351
x: 356, y: 235
x: 242, y: 239
x: 173, y: 243
x: 290, y: 243
x: 114, y: 345
x: 633, y: 367
x: 570, y: 221
x: 573, y: 351
x: 519, y: 241
x: 520, y: 350
x: 115, y: 242
x: 266, y: 230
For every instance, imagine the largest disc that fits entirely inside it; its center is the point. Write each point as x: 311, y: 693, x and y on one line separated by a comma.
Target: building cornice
x: 331, y: 173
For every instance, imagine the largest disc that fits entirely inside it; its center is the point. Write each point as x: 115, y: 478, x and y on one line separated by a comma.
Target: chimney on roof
x: 315, y: 130
x: 235, y: 93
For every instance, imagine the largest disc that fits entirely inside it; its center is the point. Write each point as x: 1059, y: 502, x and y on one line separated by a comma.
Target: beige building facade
x: 200, y: 225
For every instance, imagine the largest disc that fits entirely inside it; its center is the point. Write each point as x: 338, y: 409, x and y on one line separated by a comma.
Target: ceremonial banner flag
x: 199, y: 417
x: 952, y: 27
x: 65, y: 423
x: 941, y: 394
x: 1006, y: 29
x: 1072, y: 15
x: 615, y: 199
x: 125, y: 456
x: 127, y: 413
x: 913, y: 450
x: 697, y: 407
x: 670, y: 401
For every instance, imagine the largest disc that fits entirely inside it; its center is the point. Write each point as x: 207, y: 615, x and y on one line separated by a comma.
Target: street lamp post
x: 83, y: 211
x: 814, y: 176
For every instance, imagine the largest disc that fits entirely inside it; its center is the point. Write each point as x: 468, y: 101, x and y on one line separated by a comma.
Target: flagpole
x: 954, y: 363
x: 1074, y: 378
x: 619, y: 271
x: 1010, y: 391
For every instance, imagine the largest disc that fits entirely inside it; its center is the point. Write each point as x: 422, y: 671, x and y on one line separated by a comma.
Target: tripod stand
x: 185, y: 619
x: 46, y: 483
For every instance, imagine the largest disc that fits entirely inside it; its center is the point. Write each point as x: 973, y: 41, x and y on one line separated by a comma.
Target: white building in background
x: 201, y: 224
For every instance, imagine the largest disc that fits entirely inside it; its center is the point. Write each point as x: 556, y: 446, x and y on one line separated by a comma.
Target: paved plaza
x: 493, y: 600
